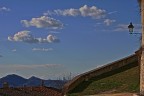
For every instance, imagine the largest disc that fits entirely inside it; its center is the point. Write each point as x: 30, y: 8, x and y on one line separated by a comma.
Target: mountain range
x: 17, y: 81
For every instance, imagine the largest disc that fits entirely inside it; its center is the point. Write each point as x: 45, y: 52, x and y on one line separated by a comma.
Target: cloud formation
x: 25, y: 36
x: 84, y: 11
x: 2, y: 9
x: 112, y: 12
x: 42, y: 49
x: 108, y: 22
x: 43, y: 22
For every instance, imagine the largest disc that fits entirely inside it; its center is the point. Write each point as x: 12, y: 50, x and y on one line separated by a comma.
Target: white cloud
x: 93, y: 12
x: 121, y: 27
x: 25, y: 36
x: 4, y: 9
x: 84, y: 11
x: 112, y: 12
x: 108, y: 22
x: 43, y: 22
x: 48, y: 13
x: 14, y: 50
x: 67, y: 12
x: 51, y: 38
x: 54, y: 32
x: 42, y: 49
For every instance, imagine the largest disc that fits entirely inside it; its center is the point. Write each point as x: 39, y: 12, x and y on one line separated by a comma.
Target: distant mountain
x: 18, y: 81
x: 33, y: 81
x: 13, y: 80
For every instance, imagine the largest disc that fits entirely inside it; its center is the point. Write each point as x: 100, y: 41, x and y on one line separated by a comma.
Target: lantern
x: 130, y: 27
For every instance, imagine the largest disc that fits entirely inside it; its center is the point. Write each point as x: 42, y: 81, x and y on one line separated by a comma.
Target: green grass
x: 125, y: 79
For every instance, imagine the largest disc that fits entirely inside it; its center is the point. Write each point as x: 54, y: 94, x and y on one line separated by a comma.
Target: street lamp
x: 130, y: 27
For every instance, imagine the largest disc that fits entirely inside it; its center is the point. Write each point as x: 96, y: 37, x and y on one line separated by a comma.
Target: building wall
x: 142, y: 48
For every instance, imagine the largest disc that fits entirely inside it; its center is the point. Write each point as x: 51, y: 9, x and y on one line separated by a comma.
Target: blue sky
x: 50, y: 39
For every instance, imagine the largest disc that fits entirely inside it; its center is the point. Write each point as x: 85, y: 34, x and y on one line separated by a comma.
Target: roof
x: 30, y: 91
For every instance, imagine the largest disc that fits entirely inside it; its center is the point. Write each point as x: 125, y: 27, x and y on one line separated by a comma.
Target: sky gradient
x: 51, y: 39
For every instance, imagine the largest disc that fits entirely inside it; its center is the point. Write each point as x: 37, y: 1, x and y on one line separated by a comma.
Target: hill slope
x: 125, y: 79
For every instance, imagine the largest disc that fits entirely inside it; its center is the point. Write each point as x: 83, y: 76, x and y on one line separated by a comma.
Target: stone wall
x: 99, y: 71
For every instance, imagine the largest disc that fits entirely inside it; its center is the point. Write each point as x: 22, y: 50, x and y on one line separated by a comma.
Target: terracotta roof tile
x: 30, y: 91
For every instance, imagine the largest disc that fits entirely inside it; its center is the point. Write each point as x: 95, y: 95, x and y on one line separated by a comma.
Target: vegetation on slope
x: 125, y: 79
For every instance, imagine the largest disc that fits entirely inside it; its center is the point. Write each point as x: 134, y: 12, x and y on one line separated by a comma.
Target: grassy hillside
x: 125, y: 79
